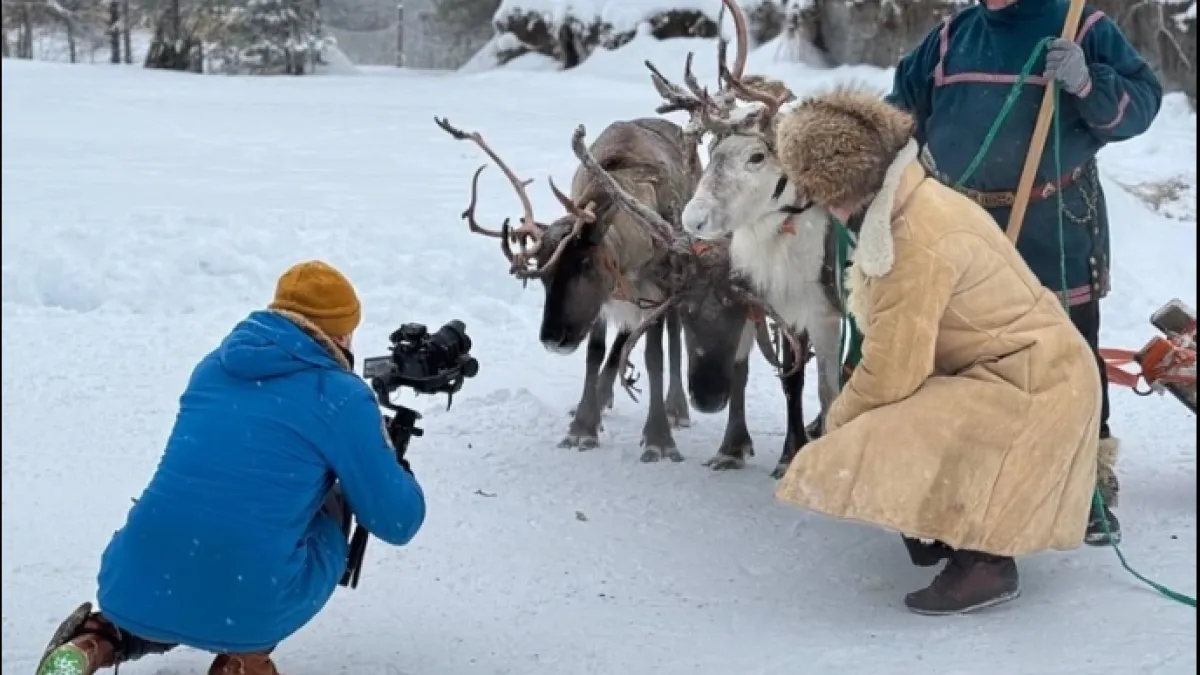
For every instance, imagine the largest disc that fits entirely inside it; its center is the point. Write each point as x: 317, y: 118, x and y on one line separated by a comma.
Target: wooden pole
x: 1037, y: 144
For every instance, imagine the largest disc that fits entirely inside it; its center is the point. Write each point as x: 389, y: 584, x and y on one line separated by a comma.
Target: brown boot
x: 970, y: 581
x: 243, y: 664
x: 83, y: 644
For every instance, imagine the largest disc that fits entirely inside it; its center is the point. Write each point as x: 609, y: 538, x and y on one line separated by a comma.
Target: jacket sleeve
x: 1125, y: 94
x: 385, y: 499
x: 906, y: 308
x: 912, y: 87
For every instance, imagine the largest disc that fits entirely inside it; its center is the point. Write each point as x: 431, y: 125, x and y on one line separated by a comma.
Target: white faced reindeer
x: 601, y: 262
x: 782, y: 243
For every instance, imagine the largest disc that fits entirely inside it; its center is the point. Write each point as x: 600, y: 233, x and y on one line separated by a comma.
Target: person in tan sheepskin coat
x: 970, y: 425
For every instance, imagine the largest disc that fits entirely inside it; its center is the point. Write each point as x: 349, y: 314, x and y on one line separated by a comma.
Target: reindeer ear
x: 749, y: 121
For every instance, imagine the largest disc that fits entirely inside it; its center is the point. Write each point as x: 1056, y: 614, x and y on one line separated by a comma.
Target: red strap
x: 1113, y: 360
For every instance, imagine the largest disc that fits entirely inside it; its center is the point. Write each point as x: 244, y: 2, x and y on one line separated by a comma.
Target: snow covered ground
x: 146, y: 212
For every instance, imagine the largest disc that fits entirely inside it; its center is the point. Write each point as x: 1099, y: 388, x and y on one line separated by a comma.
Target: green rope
x: 851, y: 337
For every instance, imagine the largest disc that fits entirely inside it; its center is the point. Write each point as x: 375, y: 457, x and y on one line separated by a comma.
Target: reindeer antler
x: 529, y: 234
x: 636, y: 334
x: 707, y: 112
x: 657, y: 226
x: 752, y: 301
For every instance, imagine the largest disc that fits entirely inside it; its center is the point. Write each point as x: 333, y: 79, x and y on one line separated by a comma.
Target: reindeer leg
x: 677, y: 402
x: 793, y: 391
x: 656, y: 435
x: 584, y: 432
x: 608, y: 376
x: 737, y: 445
x: 827, y: 343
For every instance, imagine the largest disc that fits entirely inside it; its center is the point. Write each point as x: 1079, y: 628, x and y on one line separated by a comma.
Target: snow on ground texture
x: 146, y: 212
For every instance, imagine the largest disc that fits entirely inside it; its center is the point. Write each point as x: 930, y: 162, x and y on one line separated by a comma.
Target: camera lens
x: 470, y: 368
x: 452, y: 339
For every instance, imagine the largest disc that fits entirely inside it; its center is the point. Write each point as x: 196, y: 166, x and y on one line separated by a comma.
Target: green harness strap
x: 851, y: 337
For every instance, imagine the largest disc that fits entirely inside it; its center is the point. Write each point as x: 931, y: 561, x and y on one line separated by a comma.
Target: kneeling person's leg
x: 87, y: 642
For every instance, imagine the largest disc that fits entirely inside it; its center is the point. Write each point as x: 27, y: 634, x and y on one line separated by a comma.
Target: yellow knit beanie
x: 320, y: 294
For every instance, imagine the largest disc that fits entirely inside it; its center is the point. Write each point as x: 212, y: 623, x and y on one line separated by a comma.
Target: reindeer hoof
x: 780, y: 470
x: 723, y: 462
x: 654, y: 453
x: 651, y: 454
x: 581, y: 441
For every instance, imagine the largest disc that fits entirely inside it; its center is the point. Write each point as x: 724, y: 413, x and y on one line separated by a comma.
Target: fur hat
x: 321, y: 294
x: 836, y: 147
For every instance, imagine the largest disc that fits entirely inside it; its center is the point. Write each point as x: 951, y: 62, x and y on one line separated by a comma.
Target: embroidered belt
x: 995, y: 200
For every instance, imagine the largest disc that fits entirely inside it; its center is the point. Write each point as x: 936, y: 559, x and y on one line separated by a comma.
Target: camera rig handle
x: 401, y: 427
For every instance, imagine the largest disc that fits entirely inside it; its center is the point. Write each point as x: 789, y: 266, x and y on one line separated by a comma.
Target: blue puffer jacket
x: 227, y: 549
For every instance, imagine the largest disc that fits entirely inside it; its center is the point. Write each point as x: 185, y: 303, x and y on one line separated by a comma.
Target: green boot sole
x: 66, y: 660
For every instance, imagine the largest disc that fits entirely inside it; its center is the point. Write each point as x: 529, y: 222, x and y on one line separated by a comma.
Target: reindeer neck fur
x: 785, y: 265
x: 637, y: 258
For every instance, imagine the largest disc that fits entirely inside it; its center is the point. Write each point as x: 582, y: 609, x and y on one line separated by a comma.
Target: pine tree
x: 265, y: 37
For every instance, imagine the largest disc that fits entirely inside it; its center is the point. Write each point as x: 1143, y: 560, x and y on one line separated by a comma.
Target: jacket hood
x: 270, y: 344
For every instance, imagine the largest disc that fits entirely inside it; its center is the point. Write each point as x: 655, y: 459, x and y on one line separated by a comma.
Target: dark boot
x: 1096, y: 533
x: 1109, y: 487
x: 83, y: 644
x: 971, y: 580
x: 243, y: 664
x: 927, y: 554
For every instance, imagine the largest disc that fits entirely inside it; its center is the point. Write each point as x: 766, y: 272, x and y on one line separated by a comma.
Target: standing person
x: 955, y: 83
x: 241, y: 536
x: 972, y: 418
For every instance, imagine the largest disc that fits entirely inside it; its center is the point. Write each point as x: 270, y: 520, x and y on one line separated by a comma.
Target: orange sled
x: 1166, y: 363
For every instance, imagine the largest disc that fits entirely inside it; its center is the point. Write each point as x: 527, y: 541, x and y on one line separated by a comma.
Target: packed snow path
x: 144, y: 213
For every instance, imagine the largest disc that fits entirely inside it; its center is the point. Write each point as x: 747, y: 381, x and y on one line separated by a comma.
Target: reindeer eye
x: 758, y: 158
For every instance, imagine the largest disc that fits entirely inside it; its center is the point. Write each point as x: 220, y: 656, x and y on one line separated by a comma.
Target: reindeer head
x: 568, y: 256
x: 744, y: 180
x: 582, y: 279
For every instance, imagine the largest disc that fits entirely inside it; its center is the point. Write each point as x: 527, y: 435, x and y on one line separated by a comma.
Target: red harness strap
x: 1164, y: 360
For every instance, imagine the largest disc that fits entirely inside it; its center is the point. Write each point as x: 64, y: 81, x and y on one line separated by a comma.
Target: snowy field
x: 144, y: 213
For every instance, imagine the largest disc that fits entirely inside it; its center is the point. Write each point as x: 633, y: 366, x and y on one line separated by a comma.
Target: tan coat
x: 973, y: 416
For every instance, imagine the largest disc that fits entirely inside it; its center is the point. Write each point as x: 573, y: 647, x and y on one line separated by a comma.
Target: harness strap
x: 609, y: 263
x: 1003, y: 199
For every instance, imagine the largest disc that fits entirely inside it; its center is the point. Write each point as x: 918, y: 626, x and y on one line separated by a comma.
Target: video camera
x: 427, y: 363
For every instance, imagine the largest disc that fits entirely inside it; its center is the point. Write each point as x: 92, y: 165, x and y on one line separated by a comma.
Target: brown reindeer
x: 605, y: 261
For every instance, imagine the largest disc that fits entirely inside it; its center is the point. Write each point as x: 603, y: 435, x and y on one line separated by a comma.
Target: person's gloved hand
x: 1065, y: 64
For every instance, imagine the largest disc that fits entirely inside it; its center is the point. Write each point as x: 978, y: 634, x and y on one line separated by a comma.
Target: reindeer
x: 600, y: 263
x: 783, y: 243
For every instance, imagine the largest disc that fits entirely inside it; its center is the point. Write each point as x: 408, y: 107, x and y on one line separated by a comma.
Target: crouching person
x: 240, y: 538
x: 971, y: 422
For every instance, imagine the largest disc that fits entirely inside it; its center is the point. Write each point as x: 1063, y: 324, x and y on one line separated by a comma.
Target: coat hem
x: 167, y: 637
x: 955, y: 543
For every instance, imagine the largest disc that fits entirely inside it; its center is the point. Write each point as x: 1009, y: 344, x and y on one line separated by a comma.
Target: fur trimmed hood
x: 314, y: 332
x: 836, y: 147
